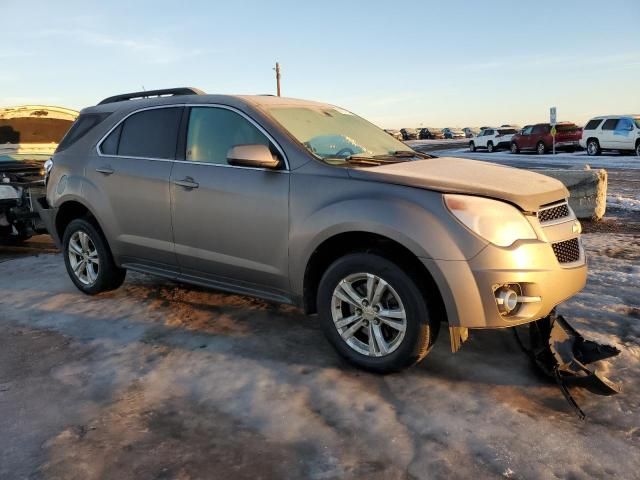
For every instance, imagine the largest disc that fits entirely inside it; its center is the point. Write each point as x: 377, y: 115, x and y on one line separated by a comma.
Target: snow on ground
x: 577, y: 159
x: 158, y: 380
x: 624, y: 203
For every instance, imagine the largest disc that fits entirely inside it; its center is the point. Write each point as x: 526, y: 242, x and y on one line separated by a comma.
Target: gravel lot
x: 159, y: 380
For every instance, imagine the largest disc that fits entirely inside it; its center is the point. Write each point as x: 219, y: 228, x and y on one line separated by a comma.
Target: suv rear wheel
x: 490, y: 147
x: 88, y: 259
x: 472, y: 146
x: 593, y: 147
x: 541, y: 148
x: 514, y: 148
x: 373, y: 313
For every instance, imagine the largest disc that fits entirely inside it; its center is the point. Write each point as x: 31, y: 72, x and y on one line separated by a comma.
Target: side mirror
x: 257, y: 156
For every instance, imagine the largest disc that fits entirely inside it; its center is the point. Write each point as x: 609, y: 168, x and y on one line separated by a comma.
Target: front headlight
x: 495, y: 221
x: 48, y: 165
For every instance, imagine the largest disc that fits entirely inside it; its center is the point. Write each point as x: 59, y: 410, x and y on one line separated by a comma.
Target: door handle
x: 107, y: 170
x: 187, y: 183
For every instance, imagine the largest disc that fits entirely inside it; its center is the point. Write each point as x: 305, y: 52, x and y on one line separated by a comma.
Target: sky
x: 399, y: 64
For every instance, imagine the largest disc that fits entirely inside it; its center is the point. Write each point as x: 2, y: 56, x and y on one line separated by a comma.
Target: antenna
x: 277, y: 69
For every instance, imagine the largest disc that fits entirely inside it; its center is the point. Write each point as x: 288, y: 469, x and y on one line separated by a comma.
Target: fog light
x: 507, y: 300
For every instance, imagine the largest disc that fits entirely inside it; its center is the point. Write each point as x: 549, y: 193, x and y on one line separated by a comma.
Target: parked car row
x: 613, y: 132
x: 431, y: 133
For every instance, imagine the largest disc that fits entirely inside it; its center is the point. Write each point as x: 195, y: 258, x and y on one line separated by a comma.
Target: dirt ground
x: 157, y: 380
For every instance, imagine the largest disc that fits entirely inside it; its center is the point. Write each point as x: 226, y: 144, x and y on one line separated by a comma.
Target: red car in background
x: 538, y: 138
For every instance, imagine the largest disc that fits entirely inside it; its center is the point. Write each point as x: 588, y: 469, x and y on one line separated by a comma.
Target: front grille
x: 567, y: 251
x: 553, y: 213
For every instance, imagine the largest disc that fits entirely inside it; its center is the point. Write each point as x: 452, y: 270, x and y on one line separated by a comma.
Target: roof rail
x: 152, y: 93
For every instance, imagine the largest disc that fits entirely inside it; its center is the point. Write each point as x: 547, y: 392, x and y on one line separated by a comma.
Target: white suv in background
x: 612, y: 132
x: 492, y: 139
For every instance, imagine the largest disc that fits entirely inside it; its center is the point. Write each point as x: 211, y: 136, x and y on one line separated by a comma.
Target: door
x: 483, y: 139
x: 231, y: 224
x: 131, y: 175
x: 623, y: 135
x: 525, y: 138
x: 539, y: 134
x: 607, y: 137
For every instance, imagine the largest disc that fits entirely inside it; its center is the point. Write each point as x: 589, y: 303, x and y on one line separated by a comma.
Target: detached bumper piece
x: 563, y: 354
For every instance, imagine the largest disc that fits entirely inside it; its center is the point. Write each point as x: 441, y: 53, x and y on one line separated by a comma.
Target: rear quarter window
x: 593, y: 124
x: 83, y: 124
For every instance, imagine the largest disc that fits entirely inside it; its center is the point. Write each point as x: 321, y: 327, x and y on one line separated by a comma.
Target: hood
x: 526, y: 189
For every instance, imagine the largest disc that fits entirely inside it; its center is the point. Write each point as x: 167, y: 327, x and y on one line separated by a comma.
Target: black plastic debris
x: 561, y: 353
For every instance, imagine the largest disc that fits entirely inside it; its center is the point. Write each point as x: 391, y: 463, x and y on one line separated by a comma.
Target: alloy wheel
x: 368, y: 314
x: 592, y: 148
x: 83, y: 258
x: 541, y: 148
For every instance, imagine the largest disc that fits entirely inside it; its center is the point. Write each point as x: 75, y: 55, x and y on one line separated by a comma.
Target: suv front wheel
x: 374, y: 314
x: 88, y: 259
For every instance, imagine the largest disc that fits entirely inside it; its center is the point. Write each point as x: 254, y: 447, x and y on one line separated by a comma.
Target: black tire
x: 593, y: 147
x: 472, y: 146
x: 109, y: 276
x: 490, y: 147
x: 421, y: 330
x: 514, y: 148
x: 638, y: 149
x: 541, y: 148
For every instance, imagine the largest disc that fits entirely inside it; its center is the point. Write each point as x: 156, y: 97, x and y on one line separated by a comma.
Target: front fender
x: 414, y: 218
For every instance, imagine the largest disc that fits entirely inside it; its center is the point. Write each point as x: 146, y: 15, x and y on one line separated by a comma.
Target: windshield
x: 24, y: 130
x: 334, y: 135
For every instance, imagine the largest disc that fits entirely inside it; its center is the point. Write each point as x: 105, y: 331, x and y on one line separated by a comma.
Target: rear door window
x: 610, y: 124
x: 147, y: 134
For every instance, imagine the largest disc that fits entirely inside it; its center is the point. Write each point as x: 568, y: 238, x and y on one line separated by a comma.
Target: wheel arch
x: 345, y: 243
x: 69, y: 210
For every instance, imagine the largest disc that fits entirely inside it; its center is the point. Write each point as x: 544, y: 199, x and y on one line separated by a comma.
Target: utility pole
x: 277, y: 69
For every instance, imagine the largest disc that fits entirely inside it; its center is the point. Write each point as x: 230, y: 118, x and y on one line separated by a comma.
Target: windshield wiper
x: 403, y: 153
x: 374, y: 160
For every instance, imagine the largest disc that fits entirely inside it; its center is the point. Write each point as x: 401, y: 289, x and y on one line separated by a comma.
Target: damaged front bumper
x: 561, y: 353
